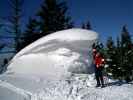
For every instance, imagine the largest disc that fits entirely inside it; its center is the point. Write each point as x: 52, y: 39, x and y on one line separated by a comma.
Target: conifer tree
x: 126, y: 48
x: 15, y: 21
x: 53, y: 16
x: 87, y: 25
x: 112, y: 57
x: 31, y: 33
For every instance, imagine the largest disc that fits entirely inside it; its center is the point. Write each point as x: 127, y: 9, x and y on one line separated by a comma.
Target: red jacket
x: 99, y: 61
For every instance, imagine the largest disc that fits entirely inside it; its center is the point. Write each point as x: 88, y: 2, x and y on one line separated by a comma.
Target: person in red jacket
x: 98, y: 64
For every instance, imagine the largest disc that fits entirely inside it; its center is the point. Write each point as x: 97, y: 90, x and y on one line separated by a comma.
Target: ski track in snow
x: 25, y: 94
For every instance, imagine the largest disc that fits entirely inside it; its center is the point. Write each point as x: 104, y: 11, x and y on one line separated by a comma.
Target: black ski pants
x: 99, y: 75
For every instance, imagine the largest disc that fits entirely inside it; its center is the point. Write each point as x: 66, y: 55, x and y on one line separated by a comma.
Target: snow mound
x: 57, y: 55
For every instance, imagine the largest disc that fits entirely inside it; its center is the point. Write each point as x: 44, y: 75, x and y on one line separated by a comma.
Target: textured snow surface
x: 50, y: 69
x: 57, y: 55
x: 78, y: 87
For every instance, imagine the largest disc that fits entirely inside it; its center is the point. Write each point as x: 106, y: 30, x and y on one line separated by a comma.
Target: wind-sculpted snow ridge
x: 54, y: 67
x: 57, y: 55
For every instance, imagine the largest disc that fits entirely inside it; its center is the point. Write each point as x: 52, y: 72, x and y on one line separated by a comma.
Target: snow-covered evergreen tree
x: 111, y: 57
x: 126, y: 51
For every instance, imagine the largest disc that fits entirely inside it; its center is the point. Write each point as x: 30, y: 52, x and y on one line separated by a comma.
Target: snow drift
x: 56, y: 55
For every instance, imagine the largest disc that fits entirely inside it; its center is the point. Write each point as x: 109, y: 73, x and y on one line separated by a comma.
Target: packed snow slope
x: 78, y: 87
x: 57, y: 55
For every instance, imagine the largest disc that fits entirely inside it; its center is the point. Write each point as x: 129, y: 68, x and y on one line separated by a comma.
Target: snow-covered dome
x: 56, y: 55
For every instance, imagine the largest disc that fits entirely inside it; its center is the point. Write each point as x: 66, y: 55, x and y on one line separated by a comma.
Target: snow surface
x: 32, y: 72
x: 57, y: 55
x: 78, y: 87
